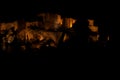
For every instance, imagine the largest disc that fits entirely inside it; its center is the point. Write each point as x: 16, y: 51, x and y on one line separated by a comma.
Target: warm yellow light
x: 72, y: 21
x: 91, y: 22
x: 93, y: 28
x: 108, y: 38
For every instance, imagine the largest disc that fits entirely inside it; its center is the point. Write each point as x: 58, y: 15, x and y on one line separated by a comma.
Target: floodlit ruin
x: 38, y: 33
x: 46, y: 30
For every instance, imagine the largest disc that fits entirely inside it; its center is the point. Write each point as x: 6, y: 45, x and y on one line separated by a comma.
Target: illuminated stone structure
x: 94, y: 34
x: 34, y: 23
x: 6, y: 26
x: 68, y: 22
x: 91, y: 26
x: 51, y: 21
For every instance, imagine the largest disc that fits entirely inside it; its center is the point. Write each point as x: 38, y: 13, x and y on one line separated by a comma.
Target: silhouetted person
x: 80, y: 40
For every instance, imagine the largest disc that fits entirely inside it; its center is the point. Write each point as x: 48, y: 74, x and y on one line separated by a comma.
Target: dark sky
x: 73, y: 8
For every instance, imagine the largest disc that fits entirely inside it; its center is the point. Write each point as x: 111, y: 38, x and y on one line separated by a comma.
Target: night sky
x: 70, y: 8
x: 76, y: 9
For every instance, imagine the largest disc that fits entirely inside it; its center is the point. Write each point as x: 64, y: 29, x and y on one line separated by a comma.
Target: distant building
x: 51, y: 21
x: 94, y: 33
x: 8, y: 25
x: 68, y: 22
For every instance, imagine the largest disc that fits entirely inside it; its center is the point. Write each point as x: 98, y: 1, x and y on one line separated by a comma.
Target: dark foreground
x: 24, y: 57
x: 56, y: 56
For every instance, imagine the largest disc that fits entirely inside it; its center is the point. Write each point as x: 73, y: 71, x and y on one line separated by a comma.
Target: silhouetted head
x: 81, y: 26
